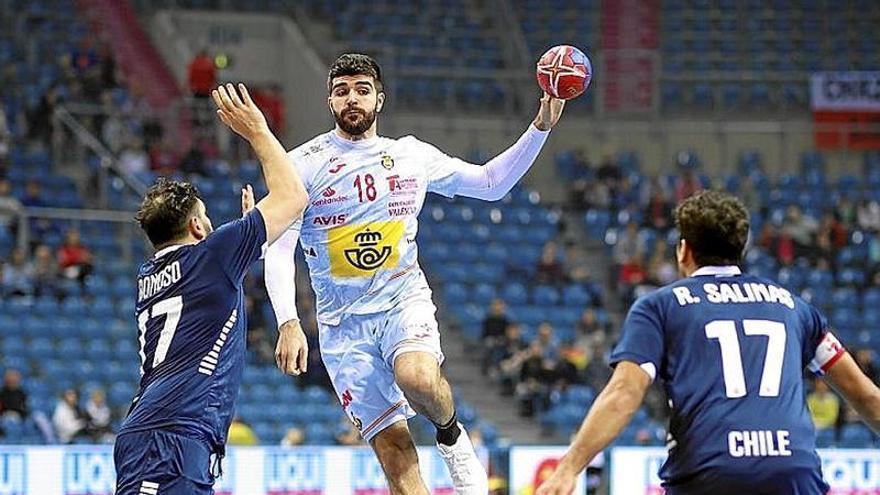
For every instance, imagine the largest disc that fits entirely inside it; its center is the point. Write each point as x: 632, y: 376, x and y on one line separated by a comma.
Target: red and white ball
x: 564, y: 72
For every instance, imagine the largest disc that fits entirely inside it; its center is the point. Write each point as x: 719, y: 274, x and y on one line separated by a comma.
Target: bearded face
x: 354, y: 103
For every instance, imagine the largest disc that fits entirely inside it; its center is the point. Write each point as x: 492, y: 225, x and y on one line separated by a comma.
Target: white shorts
x: 359, y: 355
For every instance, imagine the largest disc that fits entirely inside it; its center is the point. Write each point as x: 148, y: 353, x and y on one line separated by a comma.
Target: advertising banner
x: 89, y: 470
x: 848, y: 471
x: 846, y: 109
x: 845, y: 91
x: 530, y: 466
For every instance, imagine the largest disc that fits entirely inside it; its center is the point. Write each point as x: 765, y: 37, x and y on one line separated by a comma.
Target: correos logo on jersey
x: 12, y: 473
x: 360, y: 250
x: 89, y: 472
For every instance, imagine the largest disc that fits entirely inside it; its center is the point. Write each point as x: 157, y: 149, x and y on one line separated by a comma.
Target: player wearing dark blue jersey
x: 731, y: 350
x: 191, y: 316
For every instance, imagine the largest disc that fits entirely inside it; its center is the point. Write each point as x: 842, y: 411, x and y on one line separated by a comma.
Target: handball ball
x: 564, y: 72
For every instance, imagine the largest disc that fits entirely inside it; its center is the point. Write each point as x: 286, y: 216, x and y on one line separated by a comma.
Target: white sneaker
x: 467, y: 472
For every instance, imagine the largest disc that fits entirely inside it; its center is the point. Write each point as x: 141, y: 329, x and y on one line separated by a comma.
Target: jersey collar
x: 345, y: 143
x: 166, y: 250
x: 718, y: 271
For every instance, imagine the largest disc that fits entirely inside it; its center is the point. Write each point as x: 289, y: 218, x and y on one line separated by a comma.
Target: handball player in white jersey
x: 377, y: 330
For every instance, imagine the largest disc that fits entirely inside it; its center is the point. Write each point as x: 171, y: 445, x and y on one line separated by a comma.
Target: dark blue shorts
x: 161, y: 463
x: 796, y: 481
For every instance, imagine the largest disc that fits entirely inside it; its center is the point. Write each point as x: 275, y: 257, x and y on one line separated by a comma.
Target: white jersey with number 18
x: 358, y: 232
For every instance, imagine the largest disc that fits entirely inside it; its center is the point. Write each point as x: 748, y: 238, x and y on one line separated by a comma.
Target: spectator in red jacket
x: 202, y: 75
x: 74, y: 259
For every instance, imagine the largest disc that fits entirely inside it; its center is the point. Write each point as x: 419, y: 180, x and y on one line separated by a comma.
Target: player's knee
x: 416, y: 376
x: 395, y: 450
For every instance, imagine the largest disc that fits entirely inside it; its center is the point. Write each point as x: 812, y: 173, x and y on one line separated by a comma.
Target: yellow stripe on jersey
x: 359, y: 250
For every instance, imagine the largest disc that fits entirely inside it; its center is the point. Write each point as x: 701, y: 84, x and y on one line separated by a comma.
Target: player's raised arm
x: 287, y: 195
x: 859, y: 391
x: 497, y: 177
x: 612, y: 411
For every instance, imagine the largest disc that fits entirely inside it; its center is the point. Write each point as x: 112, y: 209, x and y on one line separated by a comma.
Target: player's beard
x: 355, y: 125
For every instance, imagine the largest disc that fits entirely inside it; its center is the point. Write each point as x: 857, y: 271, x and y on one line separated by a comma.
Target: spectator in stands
x: 196, y: 159
x: 800, y: 228
x: 503, y: 362
x: 10, y: 207
x: 550, y: 270
x: 865, y: 359
x: 494, y: 327
x: 348, y: 435
x: 661, y: 269
x: 292, y: 437
x: 13, y: 399
x: 113, y: 130
x: 589, y: 328
x: 573, y: 361
x: 99, y: 416
x: 831, y: 236
x: 632, y: 274
x: 597, y: 372
x: 45, y: 270
x: 5, y: 140
x: 162, y: 159
x: 270, y: 101
x: 749, y: 195
x: 785, y: 249
x: 33, y: 194
x: 548, y: 340
x: 628, y: 244
x: 202, y: 75
x: 69, y: 420
x: 40, y: 121
x: 74, y: 259
x: 686, y: 185
x: 823, y: 404
x: 577, y: 264
x: 240, y: 433
x: 534, y: 380
x: 133, y: 158
x: 18, y: 275
x: 657, y: 205
x: 868, y: 215
x: 846, y: 212
x: 609, y: 171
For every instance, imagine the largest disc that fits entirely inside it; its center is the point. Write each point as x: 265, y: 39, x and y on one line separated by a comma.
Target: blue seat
x: 856, y: 435
x: 455, y: 293
x: 845, y: 297
x: 483, y: 293
x: 545, y: 295
x: 514, y: 294
x: 576, y: 295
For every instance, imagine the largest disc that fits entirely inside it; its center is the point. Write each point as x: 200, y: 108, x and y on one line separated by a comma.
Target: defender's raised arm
x: 287, y: 195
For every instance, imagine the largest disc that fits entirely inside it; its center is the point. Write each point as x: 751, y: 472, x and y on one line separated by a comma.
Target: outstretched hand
x: 549, y: 112
x: 240, y: 113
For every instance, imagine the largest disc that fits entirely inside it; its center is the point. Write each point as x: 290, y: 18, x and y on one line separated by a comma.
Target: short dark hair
x: 165, y: 210
x: 355, y: 64
x: 715, y: 225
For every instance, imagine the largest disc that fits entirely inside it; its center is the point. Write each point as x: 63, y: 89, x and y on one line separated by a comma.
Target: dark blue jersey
x: 731, y: 350
x: 192, y: 331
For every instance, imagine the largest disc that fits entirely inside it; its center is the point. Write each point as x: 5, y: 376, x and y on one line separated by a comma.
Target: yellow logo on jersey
x: 360, y: 250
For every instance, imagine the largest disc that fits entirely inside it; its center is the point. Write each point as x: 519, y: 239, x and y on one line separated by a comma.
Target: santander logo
x: 329, y: 196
